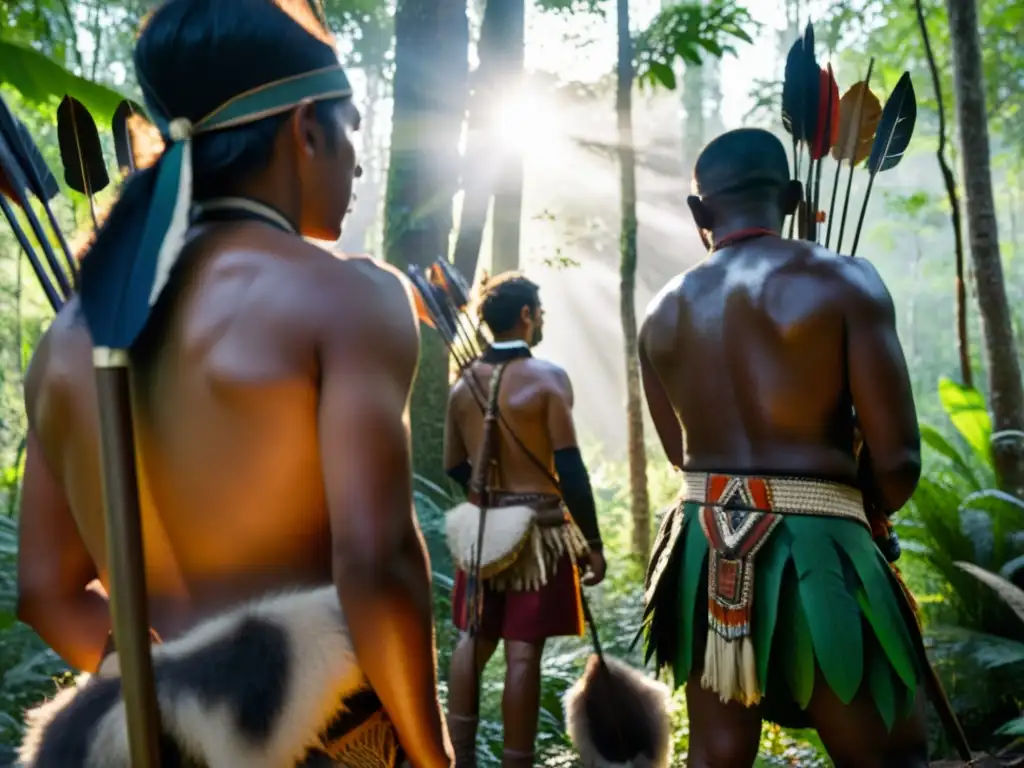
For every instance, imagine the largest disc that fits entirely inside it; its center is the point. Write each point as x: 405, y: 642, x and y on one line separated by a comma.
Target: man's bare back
x: 533, y: 393
x: 762, y: 350
x: 226, y: 414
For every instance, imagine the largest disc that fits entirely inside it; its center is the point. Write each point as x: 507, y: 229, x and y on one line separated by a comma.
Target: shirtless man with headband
x: 271, y: 381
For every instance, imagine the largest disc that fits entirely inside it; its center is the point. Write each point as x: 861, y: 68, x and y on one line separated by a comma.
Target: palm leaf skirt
x: 824, y: 597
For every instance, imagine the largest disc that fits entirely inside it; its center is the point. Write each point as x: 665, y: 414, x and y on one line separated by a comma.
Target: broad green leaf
x: 41, y: 80
x: 1012, y: 728
x: 934, y: 440
x: 1011, y: 594
x: 966, y: 409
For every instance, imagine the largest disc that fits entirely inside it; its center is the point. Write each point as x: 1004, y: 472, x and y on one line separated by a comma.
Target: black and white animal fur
x: 253, y: 687
x: 618, y: 717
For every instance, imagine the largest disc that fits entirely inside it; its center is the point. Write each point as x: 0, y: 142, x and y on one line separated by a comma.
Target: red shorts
x: 554, y: 610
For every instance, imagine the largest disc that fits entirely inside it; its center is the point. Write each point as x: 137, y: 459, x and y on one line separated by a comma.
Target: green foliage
x: 890, y: 32
x: 27, y: 666
x: 689, y: 31
x: 41, y: 80
x: 957, y: 517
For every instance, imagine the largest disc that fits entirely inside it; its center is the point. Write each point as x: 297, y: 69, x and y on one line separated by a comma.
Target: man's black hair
x: 740, y: 162
x: 503, y: 299
x: 193, y: 55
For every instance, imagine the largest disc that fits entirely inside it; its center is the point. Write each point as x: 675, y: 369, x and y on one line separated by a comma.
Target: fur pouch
x: 254, y: 687
x: 507, y: 532
x: 617, y: 717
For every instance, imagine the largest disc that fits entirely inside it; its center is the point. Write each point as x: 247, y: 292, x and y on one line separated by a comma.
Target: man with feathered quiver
x: 766, y: 594
x: 529, y: 525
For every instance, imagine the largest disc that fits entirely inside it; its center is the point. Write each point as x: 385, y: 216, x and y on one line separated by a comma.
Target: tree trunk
x: 507, y: 213
x: 1006, y: 396
x: 627, y: 288
x: 431, y: 71
x: 498, y: 54
x: 960, y: 285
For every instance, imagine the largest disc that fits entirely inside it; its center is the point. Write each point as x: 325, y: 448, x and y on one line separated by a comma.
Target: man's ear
x: 702, y: 215
x: 526, y: 315
x: 304, y: 129
x: 792, y: 194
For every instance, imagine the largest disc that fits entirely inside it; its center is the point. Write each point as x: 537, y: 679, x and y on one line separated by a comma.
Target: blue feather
x: 810, y: 87
x: 895, y: 128
x: 792, y: 79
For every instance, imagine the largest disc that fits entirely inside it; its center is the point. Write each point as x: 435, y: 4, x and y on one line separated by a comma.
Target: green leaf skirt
x: 824, y: 596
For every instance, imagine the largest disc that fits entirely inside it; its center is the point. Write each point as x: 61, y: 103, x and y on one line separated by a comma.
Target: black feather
x: 792, y: 80
x: 23, y: 171
x: 39, y: 178
x: 892, y: 137
x: 85, y: 170
x: 895, y: 128
x: 124, y: 146
x: 809, y: 87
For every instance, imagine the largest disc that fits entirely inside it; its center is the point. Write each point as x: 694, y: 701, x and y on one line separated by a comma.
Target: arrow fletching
x: 38, y: 178
x: 124, y: 139
x: 792, y: 112
x: 895, y: 127
x: 85, y: 170
x: 827, y: 128
x: 859, y: 114
x: 454, y: 284
x: 810, y: 88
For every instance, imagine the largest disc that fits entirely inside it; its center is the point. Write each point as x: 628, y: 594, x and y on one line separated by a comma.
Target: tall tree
x: 640, y: 501
x: 1006, y: 394
x: 500, y: 52
x: 430, y: 88
x: 507, y: 213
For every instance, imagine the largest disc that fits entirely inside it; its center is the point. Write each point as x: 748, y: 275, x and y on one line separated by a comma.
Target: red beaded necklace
x: 743, y: 234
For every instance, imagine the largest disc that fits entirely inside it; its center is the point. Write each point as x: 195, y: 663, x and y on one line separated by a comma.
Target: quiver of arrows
x: 26, y: 182
x: 854, y: 129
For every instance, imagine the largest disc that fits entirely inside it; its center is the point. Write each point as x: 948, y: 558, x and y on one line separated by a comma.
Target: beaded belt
x: 785, y: 495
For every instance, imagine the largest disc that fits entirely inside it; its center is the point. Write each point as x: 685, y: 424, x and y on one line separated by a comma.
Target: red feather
x: 828, y: 102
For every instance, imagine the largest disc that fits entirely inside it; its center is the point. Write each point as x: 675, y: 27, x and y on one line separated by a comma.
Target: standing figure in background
x: 271, y: 388
x: 766, y: 593
x: 534, y: 462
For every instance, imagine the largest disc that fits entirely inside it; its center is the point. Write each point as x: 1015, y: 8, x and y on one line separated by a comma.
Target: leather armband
x: 577, y: 493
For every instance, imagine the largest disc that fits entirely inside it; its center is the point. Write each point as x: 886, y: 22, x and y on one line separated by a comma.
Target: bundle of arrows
x: 24, y: 175
x: 855, y: 129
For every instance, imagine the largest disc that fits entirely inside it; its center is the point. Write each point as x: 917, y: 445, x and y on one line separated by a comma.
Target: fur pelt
x: 253, y: 687
x: 617, y: 717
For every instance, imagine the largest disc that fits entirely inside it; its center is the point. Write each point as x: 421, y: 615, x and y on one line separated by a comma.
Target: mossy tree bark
x: 430, y: 89
x: 1006, y: 394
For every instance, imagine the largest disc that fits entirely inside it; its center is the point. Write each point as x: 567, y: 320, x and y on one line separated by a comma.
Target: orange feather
x: 859, y: 112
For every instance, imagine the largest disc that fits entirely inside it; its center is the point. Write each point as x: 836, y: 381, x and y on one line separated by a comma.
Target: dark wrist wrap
x: 577, y: 493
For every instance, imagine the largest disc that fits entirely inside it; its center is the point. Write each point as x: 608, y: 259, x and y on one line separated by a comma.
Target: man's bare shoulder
x: 856, y: 280
x: 662, y: 316
x: 359, y: 297
x: 60, y: 359
x: 551, y: 373
x: 359, y: 277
